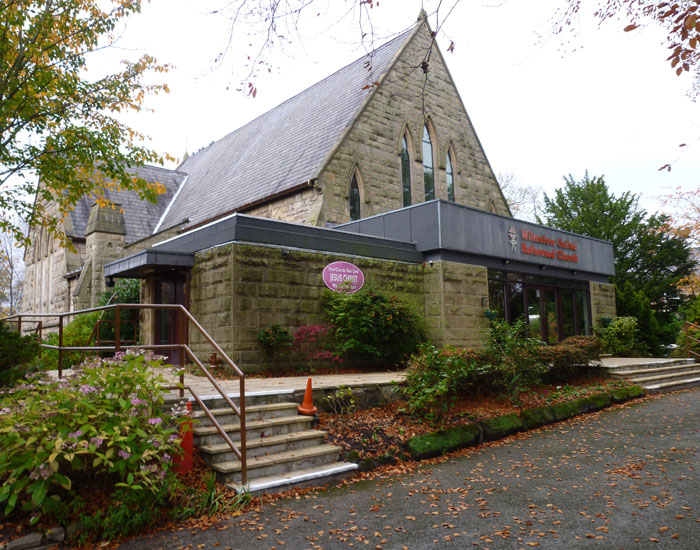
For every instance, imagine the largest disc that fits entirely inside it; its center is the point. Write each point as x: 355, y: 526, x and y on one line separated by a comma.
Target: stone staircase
x: 657, y: 376
x: 283, y: 448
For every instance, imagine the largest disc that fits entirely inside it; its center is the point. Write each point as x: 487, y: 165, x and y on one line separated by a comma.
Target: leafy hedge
x: 104, y: 424
x: 15, y: 352
x: 509, y: 363
x: 372, y: 326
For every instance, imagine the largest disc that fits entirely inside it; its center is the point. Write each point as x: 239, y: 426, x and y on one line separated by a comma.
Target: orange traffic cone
x: 307, y: 407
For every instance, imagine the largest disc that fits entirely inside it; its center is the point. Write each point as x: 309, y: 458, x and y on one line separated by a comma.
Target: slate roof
x: 141, y: 216
x: 281, y: 149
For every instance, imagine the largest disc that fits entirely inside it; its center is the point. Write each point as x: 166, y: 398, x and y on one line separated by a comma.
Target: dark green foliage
x: 207, y: 502
x: 649, y: 258
x: 621, y: 338
x: 16, y: 351
x: 502, y: 426
x: 76, y: 333
x: 275, y: 339
x: 690, y: 313
x: 537, y: 417
x: 129, y: 513
x: 510, y: 363
x: 373, y: 327
x: 620, y: 395
x: 353, y: 456
x: 443, y: 441
x: 567, y: 358
x: 125, y: 291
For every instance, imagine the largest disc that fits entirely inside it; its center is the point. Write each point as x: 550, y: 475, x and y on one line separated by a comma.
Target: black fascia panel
x: 143, y: 263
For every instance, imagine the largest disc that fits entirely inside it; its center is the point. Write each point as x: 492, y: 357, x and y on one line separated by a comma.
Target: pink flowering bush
x: 105, y: 422
x: 314, y: 343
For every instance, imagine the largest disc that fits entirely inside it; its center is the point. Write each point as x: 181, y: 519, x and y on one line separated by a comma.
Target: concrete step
x: 657, y: 371
x: 665, y: 377
x: 308, y: 477
x: 645, y: 365
x: 672, y: 385
x: 215, y: 401
x: 213, y: 454
x: 209, y: 435
x: 225, y: 415
x: 278, y: 464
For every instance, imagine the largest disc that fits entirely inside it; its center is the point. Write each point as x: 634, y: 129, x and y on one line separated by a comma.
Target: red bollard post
x: 183, y: 463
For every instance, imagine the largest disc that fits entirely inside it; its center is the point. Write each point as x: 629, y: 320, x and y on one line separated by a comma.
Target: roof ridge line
x: 266, y: 113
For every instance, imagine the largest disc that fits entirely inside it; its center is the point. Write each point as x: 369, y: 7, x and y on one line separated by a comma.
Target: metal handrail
x: 689, y: 352
x: 183, y: 347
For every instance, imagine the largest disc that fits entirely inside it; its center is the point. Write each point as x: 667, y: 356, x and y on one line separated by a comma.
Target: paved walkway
x: 626, y: 477
x: 329, y: 381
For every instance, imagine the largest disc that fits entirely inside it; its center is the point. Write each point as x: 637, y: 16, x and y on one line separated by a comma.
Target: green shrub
x: 104, y: 424
x: 125, y: 291
x: 515, y: 361
x: 509, y: 363
x: 435, y: 377
x: 275, y: 339
x: 16, y: 351
x: 568, y: 357
x: 374, y: 327
x: 128, y: 513
x: 77, y: 333
x: 621, y: 338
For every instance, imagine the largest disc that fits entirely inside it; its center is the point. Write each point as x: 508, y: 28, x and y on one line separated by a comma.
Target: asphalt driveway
x: 627, y: 477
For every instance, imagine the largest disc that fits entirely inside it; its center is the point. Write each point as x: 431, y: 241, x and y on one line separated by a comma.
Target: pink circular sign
x: 343, y: 277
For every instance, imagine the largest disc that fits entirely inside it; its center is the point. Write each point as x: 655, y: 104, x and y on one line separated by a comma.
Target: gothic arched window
x: 428, y: 171
x: 450, y: 175
x: 405, y: 172
x: 354, y: 199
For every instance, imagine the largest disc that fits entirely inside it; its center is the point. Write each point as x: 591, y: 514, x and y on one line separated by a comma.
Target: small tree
x: 651, y: 259
x: 56, y: 123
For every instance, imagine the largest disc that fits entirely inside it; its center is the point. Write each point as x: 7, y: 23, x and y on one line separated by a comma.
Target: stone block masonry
x: 602, y: 302
x: 239, y: 289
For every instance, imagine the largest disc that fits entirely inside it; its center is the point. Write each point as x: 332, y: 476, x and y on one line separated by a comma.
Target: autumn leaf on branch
x: 60, y: 138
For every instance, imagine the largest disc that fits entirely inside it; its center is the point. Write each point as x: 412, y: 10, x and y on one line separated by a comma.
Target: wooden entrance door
x: 169, y: 324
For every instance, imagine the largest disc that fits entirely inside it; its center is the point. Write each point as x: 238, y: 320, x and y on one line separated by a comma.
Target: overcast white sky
x: 607, y: 101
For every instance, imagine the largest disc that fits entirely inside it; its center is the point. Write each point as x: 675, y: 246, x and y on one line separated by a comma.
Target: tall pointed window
x: 354, y: 199
x: 428, y: 172
x: 405, y: 172
x: 449, y: 173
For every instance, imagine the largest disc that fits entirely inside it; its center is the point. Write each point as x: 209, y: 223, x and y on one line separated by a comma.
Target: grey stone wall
x: 237, y: 290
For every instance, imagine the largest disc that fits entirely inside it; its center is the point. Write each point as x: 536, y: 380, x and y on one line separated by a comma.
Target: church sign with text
x: 543, y: 245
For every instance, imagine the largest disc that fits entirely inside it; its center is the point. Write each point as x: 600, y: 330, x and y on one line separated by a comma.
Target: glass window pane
x: 405, y: 172
x: 497, y: 298
x: 583, y: 321
x: 354, y: 200
x: 534, y: 316
x: 450, y: 178
x: 550, y: 299
x: 567, y: 312
x: 428, y: 172
x: 516, y: 302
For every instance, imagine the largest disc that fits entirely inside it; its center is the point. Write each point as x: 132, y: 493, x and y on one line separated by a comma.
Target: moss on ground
x: 501, y: 426
x: 443, y: 441
x: 537, y: 417
x: 620, y: 395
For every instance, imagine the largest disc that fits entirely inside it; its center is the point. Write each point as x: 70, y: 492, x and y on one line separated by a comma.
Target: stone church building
x: 377, y: 165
